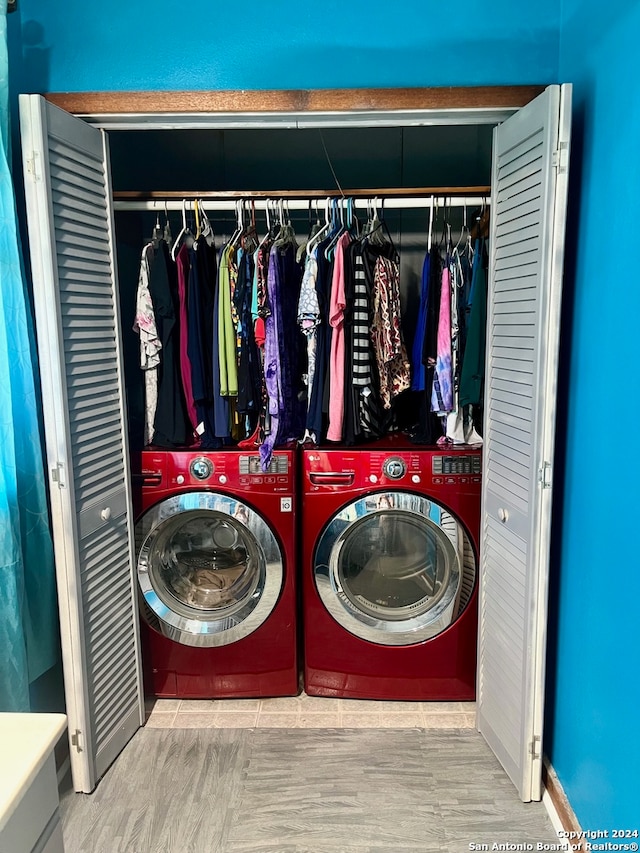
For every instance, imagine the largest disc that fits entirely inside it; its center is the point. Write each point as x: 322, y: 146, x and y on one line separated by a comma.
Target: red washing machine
x: 390, y: 559
x: 216, y: 551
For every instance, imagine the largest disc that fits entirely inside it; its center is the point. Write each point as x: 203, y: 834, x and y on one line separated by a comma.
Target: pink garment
x: 337, y: 305
x: 182, y: 263
x: 442, y: 391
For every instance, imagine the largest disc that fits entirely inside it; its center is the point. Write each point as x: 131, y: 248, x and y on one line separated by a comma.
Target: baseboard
x: 558, y: 807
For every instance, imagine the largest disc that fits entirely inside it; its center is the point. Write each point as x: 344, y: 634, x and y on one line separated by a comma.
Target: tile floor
x: 307, y: 712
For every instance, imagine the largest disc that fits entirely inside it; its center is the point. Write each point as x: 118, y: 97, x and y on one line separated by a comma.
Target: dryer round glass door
x: 394, y: 568
x: 210, y: 569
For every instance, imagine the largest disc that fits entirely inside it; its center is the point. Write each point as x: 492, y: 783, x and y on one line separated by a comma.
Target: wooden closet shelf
x: 305, y: 100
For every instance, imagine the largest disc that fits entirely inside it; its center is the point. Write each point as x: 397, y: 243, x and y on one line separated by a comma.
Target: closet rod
x: 380, y: 192
x: 162, y: 203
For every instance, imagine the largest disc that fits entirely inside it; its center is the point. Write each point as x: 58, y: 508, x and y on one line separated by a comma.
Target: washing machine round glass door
x: 394, y: 568
x: 210, y: 569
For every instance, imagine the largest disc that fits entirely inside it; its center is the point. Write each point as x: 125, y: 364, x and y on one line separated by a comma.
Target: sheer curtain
x: 28, y: 612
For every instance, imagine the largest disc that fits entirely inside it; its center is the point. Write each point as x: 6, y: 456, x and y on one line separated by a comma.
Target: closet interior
x: 425, y: 184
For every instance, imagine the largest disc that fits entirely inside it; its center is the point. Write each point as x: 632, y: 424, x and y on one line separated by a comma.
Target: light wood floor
x: 302, y: 790
x: 308, y: 712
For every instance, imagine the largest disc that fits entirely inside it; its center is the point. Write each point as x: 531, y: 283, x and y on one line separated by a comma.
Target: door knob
x: 503, y: 514
x: 105, y: 515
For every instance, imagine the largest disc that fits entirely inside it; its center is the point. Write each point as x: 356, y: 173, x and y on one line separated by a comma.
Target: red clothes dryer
x: 389, y: 559
x: 216, y: 540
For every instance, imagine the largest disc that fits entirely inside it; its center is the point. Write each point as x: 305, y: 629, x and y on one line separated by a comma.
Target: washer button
x: 415, y: 478
x: 222, y: 479
x: 373, y: 478
x: 180, y: 479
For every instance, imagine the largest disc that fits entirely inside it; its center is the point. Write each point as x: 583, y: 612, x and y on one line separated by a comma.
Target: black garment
x: 249, y: 371
x: 201, y: 295
x: 429, y: 427
x: 320, y: 389
x: 293, y: 347
x: 171, y: 424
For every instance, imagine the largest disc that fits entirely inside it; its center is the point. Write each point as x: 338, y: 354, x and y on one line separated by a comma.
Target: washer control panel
x: 251, y: 465
x: 165, y: 470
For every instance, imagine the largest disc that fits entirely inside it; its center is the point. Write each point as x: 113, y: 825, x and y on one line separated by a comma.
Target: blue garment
x: 472, y: 373
x: 282, y: 352
x: 29, y: 637
x: 417, y: 365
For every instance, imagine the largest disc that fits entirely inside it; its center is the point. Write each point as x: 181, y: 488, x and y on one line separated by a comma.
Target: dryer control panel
x: 413, y: 469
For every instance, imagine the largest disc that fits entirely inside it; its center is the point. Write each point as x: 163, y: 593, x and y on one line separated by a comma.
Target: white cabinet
x: 29, y: 816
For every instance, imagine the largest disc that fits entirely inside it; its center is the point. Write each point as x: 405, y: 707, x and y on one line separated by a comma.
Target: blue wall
x: 593, y: 652
x: 80, y: 46
x: 594, y: 697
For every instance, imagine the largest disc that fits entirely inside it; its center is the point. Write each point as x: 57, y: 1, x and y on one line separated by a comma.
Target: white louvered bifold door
x: 529, y: 189
x: 70, y: 223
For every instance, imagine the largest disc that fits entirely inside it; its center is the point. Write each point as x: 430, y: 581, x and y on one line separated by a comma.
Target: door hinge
x: 544, y: 475
x: 560, y: 157
x: 32, y: 166
x: 57, y: 474
x: 534, y: 747
x: 75, y: 740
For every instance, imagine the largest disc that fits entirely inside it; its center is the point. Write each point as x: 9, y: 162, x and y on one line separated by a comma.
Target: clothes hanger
x: 184, y: 231
x: 156, y: 234
x: 378, y: 226
x: 286, y: 235
x: 166, y: 233
x: 196, y: 213
x: 380, y: 234
x: 463, y: 230
x: 314, y: 227
x: 321, y: 234
x: 205, y: 224
x: 231, y: 243
x: 268, y: 232
x: 328, y: 252
x: 430, y: 238
x: 249, y: 238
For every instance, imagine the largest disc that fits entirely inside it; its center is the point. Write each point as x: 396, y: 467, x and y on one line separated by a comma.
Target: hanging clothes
x: 391, y: 354
x: 318, y: 399
x: 283, y: 378
x: 260, y: 310
x: 336, y: 358
x: 150, y: 344
x: 309, y: 320
x: 428, y: 426
x: 454, y: 432
x: 183, y: 266
x: 226, y: 328
x: 249, y: 363
x: 417, y: 365
x: 201, y: 302
x: 442, y: 391
x: 472, y: 375
x: 172, y: 427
